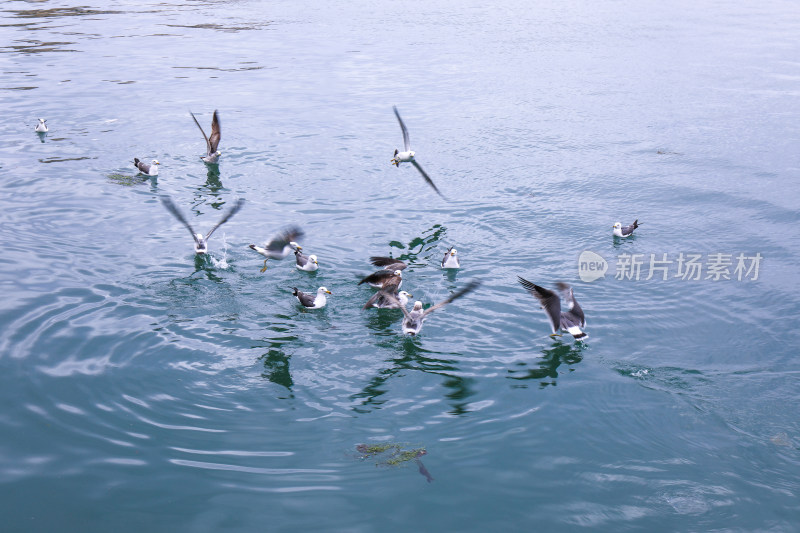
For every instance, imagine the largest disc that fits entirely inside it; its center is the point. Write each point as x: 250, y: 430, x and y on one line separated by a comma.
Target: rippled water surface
x: 145, y: 388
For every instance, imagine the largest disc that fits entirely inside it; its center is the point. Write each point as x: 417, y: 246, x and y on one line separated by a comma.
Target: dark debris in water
x: 127, y: 180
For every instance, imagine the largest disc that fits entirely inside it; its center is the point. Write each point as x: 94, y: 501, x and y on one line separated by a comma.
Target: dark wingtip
x: 252, y: 246
x: 294, y: 291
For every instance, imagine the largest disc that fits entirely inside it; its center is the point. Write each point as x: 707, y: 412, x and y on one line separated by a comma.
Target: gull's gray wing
x: 292, y: 233
x: 551, y: 302
x: 388, y: 263
x: 232, y: 211
x: 471, y: 286
x: 445, y: 256
x: 216, y: 134
x: 208, y: 144
x: 427, y: 178
x: 378, y: 277
x: 627, y: 230
x: 574, y: 309
x: 300, y: 259
x: 306, y: 299
x: 406, y: 142
x: 172, y: 208
x: 141, y: 165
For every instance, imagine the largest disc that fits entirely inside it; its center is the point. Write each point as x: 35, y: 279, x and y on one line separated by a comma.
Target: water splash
x: 221, y: 264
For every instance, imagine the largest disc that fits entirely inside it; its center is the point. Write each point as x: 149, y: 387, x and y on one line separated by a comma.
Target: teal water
x: 144, y: 388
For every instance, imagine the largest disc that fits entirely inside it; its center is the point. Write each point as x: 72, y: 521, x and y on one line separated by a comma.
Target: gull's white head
x: 453, y: 251
x: 42, y: 120
x: 404, y: 296
x: 617, y: 225
x: 398, y: 273
x: 323, y: 290
x: 155, y: 162
x: 417, y: 306
x: 313, y: 259
x: 295, y: 245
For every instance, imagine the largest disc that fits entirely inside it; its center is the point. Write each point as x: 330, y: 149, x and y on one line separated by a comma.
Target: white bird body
x: 407, y: 155
x: 144, y: 168
x: 312, y: 301
x: 306, y: 263
x: 280, y: 246
x: 212, y: 154
x: 414, y: 319
x: 41, y: 127
x: 451, y: 259
x: 200, y: 242
x: 625, y: 231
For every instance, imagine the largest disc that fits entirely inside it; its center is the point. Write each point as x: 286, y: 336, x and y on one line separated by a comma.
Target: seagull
x: 407, y: 156
x: 571, y: 320
x: 212, y: 154
x: 380, y: 300
x: 413, y: 320
x: 305, y: 262
x: 309, y: 300
x: 41, y: 127
x: 281, y: 245
x: 200, y: 242
x: 144, y: 168
x: 384, y: 278
x: 625, y: 231
x: 451, y: 259
x: 388, y: 263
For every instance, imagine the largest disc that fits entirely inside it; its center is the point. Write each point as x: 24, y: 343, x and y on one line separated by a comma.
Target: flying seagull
x: 384, y: 278
x: 312, y: 301
x: 144, y: 168
x: 413, y: 320
x: 41, y: 127
x: 388, y: 263
x: 451, y: 259
x: 281, y: 245
x: 212, y: 154
x: 200, y: 242
x: 381, y: 301
x: 407, y: 156
x: 571, y: 320
x: 305, y: 262
x: 625, y: 231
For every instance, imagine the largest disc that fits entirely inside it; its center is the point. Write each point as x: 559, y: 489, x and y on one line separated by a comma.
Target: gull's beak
x: 329, y: 292
x: 410, y: 295
x: 316, y: 263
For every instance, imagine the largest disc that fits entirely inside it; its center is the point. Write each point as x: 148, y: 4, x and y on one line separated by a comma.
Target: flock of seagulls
x: 390, y: 276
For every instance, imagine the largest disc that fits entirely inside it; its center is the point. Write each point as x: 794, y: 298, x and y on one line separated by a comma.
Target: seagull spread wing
x: 471, y: 286
x: 232, y: 211
x: 208, y: 144
x: 551, y: 302
x: 427, y: 178
x: 216, y: 134
x: 172, y: 208
x: 406, y: 142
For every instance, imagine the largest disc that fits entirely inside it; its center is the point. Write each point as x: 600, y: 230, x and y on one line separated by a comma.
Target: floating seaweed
x: 394, y: 454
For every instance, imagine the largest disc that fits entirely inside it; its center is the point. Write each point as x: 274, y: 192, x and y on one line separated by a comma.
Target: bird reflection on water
x: 547, y: 367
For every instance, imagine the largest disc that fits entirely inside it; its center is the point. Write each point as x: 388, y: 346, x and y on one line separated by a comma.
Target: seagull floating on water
x: 571, y: 320
x: 384, y: 278
x: 407, y: 156
x: 625, y: 231
x: 451, y: 259
x: 200, y: 242
x: 307, y: 263
x: 144, y: 168
x: 281, y: 245
x: 212, y: 154
x: 312, y: 301
x: 413, y: 320
x: 41, y: 127
x: 381, y: 301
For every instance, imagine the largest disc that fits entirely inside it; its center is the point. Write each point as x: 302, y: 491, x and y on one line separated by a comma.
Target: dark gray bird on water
x: 413, y: 320
x: 625, y: 231
x: 281, y: 245
x: 200, y: 242
x: 304, y: 262
x: 212, y: 154
x: 312, y: 301
x: 407, y: 155
x: 388, y: 263
x: 144, y: 168
x: 571, y: 320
